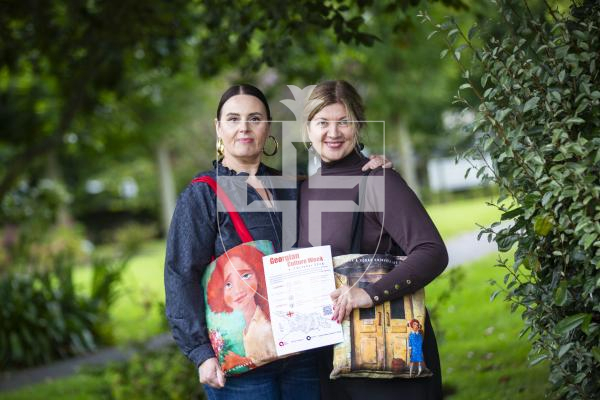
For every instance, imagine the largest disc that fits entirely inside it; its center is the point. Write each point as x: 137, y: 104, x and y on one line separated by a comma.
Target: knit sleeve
x: 404, y: 218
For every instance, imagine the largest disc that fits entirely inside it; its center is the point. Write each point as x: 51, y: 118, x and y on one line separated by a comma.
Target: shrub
x: 163, y: 374
x: 539, y: 120
x: 44, y: 318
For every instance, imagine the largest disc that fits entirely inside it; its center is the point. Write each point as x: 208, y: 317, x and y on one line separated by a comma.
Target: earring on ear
x: 220, y: 147
x: 276, y: 147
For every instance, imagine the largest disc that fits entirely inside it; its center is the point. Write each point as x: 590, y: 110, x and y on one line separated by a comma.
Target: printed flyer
x: 298, y: 285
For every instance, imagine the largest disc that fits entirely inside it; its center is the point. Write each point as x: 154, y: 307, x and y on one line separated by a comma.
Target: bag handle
x: 357, y: 217
x: 358, y: 221
x: 238, y: 222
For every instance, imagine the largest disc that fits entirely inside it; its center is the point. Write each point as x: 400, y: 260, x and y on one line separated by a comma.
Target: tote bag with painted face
x: 235, y: 297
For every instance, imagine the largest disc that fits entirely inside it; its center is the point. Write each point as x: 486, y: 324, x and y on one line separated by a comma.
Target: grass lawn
x: 462, y: 216
x: 136, y: 312
x: 482, y: 356
x: 77, y: 387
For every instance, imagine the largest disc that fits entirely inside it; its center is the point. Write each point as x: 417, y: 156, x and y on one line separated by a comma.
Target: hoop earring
x: 276, y: 147
x: 220, y: 147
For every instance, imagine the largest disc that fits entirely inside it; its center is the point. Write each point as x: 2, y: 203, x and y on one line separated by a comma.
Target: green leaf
x: 443, y: 54
x: 452, y: 32
x: 542, y: 225
x: 511, y: 214
x: 560, y: 296
x: 564, y: 349
x: 546, y: 199
x: 596, y: 353
x: 567, y: 324
x: 495, y: 294
x: 501, y: 114
x: 538, y: 360
x: 588, y: 239
x: 465, y: 86
x: 585, y: 327
x: 575, y: 120
x: 531, y: 104
x: 484, y: 79
x: 431, y: 34
x: 459, y: 50
x: 472, y: 31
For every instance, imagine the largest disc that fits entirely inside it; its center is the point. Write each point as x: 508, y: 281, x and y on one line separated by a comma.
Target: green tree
x: 407, y: 85
x: 59, y: 61
x: 538, y: 109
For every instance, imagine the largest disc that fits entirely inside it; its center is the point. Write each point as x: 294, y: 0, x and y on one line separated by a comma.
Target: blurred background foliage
x: 107, y: 110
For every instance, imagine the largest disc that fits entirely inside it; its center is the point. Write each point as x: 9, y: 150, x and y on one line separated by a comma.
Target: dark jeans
x: 293, y: 378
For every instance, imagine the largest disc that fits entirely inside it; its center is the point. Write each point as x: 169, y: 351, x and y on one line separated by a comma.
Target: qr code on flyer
x: 327, y: 310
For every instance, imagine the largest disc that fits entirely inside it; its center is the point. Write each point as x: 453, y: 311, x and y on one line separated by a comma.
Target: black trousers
x: 379, y: 389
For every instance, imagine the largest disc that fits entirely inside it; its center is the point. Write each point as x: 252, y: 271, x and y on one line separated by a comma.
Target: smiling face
x: 244, y: 127
x: 239, y: 285
x: 332, y: 133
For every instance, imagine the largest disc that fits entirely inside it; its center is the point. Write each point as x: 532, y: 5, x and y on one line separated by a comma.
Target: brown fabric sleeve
x: 409, y: 225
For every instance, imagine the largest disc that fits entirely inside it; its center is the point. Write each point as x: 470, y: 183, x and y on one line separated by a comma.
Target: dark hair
x: 243, y: 89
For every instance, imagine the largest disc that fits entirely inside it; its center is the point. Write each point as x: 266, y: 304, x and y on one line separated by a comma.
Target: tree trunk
x: 168, y: 196
x: 408, y: 164
x: 54, y: 171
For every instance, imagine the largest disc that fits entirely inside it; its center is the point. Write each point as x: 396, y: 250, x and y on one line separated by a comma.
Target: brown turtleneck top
x: 405, y: 224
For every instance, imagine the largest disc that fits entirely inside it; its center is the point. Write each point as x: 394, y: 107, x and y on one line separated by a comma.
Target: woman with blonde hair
x: 334, y: 116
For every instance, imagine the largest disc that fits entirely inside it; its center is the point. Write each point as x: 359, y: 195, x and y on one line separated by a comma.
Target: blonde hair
x: 333, y: 92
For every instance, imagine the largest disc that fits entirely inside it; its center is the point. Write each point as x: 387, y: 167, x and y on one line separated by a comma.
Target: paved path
x: 461, y: 249
x: 15, y: 379
x: 466, y: 248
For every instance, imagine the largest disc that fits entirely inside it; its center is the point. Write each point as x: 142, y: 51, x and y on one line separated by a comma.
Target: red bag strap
x: 238, y: 222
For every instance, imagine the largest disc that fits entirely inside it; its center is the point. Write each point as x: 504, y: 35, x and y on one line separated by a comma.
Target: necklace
x: 271, y: 211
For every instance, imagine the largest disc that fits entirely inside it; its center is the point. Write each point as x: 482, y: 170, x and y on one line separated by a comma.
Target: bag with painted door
x: 384, y: 341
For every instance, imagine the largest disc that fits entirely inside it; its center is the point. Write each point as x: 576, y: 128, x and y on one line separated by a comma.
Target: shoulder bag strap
x: 238, y: 222
x: 357, y: 218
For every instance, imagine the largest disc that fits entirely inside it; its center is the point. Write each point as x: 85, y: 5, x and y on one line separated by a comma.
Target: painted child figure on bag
x: 415, y: 346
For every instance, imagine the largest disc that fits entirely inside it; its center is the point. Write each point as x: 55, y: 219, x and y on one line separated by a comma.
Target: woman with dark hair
x: 334, y: 117
x: 199, y: 233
